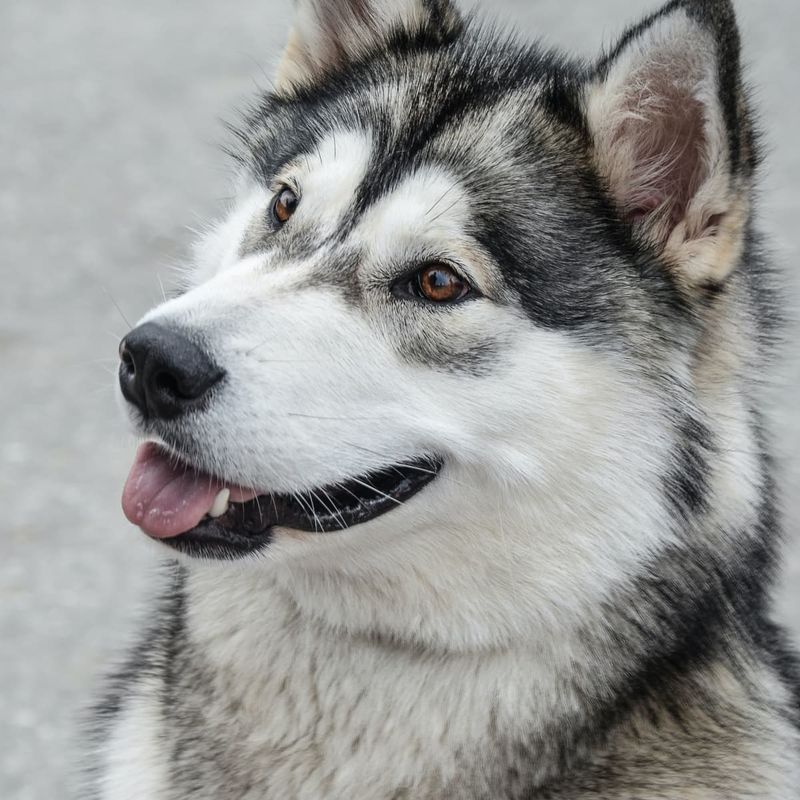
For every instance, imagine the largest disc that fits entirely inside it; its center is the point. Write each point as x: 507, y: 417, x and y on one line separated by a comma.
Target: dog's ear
x: 329, y: 34
x: 668, y: 116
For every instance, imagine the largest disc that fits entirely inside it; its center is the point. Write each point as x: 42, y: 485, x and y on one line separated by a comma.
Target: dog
x: 456, y: 435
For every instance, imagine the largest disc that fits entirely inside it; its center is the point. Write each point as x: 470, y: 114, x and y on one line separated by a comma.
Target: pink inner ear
x: 639, y: 208
x: 661, y: 132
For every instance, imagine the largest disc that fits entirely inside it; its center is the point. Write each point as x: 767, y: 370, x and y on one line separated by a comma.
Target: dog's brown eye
x: 284, y: 205
x: 440, y: 284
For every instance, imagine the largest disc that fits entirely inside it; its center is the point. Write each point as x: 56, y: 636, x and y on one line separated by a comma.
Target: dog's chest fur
x: 255, y: 701
x: 266, y: 704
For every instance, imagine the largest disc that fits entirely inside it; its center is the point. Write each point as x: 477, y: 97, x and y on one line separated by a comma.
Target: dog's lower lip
x: 246, y: 527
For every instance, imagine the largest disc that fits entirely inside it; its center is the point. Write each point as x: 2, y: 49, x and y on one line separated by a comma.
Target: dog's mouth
x: 199, y: 514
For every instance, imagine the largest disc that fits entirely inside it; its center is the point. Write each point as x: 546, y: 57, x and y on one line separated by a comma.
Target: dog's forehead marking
x: 330, y: 175
x: 426, y: 215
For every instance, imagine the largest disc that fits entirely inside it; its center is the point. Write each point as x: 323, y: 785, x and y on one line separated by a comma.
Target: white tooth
x: 220, y: 504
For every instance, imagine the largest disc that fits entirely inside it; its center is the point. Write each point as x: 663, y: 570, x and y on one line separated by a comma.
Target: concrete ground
x: 109, y: 117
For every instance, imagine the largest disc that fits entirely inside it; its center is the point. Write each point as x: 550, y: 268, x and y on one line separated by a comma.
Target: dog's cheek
x: 548, y: 405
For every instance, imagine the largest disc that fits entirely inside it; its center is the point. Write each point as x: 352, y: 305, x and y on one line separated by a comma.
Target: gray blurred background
x: 110, y: 116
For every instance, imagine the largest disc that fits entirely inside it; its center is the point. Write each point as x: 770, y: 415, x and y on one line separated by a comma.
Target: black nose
x: 163, y: 373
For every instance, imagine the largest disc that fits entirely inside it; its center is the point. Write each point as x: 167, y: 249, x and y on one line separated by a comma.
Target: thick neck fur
x: 313, y: 707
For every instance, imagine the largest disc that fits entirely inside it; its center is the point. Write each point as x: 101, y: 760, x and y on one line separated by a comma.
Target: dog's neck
x: 292, y: 676
x: 391, y: 711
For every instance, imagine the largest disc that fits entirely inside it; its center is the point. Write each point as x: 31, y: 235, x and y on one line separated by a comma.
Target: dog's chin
x: 247, y: 528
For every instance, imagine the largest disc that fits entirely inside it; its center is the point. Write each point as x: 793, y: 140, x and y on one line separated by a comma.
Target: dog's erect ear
x: 328, y: 34
x: 672, y: 139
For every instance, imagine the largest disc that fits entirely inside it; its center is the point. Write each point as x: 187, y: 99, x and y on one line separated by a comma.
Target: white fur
x: 134, y: 762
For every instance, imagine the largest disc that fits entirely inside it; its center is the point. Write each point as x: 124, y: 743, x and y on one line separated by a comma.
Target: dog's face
x: 444, y: 335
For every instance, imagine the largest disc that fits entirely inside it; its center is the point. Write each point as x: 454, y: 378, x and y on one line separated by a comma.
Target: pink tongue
x: 166, y: 499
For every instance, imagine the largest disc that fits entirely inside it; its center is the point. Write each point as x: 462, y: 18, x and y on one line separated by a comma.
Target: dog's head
x: 457, y: 343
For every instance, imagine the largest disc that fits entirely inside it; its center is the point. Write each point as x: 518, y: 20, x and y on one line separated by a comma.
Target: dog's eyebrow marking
x: 429, y: 205
x: 328, y: 175
x: 428, y: 215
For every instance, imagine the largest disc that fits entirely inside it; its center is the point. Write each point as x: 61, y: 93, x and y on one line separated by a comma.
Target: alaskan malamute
x: 457, y: 434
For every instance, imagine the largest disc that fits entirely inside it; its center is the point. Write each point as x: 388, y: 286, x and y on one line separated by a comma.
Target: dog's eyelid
x: 415, y: 264
x: 465, y: 274
x: 285, y: 182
